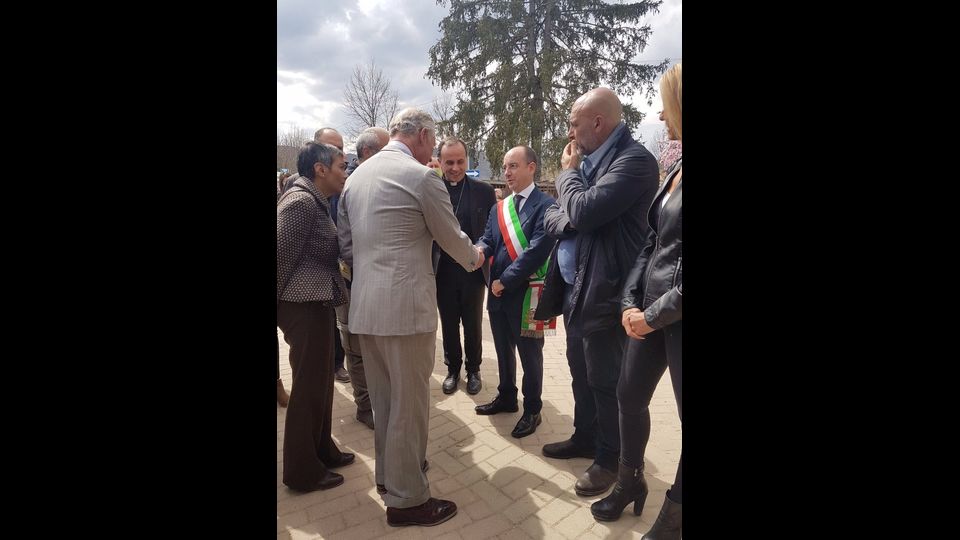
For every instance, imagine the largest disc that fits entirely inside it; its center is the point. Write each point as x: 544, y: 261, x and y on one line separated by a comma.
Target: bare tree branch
x: 443, y: 109
x: 368, y: 99
x: 289, y: 141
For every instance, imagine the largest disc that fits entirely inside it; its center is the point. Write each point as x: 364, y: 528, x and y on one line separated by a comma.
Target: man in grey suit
x: 391, y: 211
x: 369, y: 142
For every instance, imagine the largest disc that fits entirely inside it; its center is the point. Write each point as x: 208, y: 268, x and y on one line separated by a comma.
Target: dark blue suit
x: 505, y: 310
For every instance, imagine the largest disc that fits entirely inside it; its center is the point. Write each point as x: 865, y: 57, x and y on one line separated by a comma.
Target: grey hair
x: 313, y: 152
x: 410, y: 121
x: 368, y: 140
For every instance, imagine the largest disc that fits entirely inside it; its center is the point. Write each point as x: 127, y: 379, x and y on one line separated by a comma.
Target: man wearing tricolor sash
x: 515, y: 238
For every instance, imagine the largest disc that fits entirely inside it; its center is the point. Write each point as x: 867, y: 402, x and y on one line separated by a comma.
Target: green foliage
x: 518, y: 66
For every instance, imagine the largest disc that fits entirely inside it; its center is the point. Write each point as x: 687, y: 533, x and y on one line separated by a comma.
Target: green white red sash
x: 516, y: 243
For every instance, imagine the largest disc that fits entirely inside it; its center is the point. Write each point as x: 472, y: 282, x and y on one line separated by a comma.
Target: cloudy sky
x: 320, y: 42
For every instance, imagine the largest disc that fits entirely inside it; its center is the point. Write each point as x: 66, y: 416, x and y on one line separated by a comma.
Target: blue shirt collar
x: 590, y: 161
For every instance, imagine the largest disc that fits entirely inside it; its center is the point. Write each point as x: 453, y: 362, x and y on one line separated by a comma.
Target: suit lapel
x: 527, y: 211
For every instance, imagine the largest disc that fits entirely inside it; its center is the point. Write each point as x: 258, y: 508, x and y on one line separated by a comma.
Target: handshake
x: 480, y: 259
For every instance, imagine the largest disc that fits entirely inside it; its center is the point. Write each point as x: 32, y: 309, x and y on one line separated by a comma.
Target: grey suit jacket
x: 390, y: 212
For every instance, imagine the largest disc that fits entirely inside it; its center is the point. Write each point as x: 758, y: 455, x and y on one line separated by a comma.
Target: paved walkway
x: 504, y: 487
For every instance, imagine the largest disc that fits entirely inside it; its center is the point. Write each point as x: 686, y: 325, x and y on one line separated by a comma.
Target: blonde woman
x: 653, y: 318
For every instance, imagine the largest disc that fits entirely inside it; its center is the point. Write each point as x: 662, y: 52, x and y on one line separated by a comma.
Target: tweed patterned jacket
x: 307, y: 249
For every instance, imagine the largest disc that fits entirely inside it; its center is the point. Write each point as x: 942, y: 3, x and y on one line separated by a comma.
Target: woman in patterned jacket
x: 309, y: 285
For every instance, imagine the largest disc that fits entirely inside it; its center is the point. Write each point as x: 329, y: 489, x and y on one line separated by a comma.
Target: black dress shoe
x: 526, y: 426
x: 568, y: 449
x: 473, y: 383
x: 496, y: 406
x: 381, y: 489
x: 433, y: 512
x: 331, y: 479
x: 450, y: 383
x: 365, y: 418
x: 346, y: 458
x: 595, y: 481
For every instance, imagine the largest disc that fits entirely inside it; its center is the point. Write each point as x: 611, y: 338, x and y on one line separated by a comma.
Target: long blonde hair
x: 671, y: 93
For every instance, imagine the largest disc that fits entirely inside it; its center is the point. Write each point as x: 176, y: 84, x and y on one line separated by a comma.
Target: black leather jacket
x: 655, y: 284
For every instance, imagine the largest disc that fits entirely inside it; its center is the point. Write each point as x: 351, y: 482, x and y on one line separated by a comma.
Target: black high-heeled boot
x: 630, y: 486
x: 669, y: 523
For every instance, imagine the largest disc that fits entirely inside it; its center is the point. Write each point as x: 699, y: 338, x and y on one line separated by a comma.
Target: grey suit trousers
x: 354, y: 356
x: 398, y: 372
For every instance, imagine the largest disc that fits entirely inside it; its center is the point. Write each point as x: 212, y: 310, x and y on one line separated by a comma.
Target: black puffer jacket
x: 655, y: 284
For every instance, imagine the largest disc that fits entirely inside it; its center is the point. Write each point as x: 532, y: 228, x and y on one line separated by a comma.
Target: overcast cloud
x: 320, y: 42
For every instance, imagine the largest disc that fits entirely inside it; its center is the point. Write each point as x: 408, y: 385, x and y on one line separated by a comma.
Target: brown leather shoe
x: 433, y: 512
x: 282, y: 397
x: 595, y: 481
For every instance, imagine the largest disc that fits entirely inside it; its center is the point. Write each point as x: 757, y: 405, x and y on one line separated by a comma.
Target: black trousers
x: 307, y: 445
x: 643, y: 366
x: 460, y: 299
x: 594, y: 361
x: 338, y: 352
x: 584, y: 406
x: 506, y: 337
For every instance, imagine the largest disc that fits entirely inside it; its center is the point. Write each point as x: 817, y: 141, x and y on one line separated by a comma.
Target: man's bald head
x: 593, y: 118
x: 329, y: 136
x: 601, y: 101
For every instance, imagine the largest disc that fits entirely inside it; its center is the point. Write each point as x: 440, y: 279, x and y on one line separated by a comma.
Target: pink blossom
x: 670, y: 151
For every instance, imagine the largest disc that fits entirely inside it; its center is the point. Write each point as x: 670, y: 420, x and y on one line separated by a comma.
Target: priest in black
x: 460, y: 293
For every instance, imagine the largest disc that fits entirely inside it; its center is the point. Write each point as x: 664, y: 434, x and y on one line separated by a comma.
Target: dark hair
x: 450, y: 141
x: 531, y: 155
x: 311, y: 153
